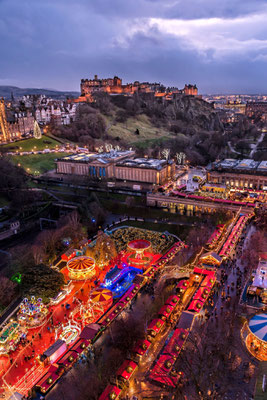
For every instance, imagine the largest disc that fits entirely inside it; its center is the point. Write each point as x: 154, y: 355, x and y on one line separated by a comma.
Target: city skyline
x: 220, y: 47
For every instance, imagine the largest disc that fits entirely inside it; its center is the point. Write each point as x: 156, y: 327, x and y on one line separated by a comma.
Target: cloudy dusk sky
x: 221, y: 45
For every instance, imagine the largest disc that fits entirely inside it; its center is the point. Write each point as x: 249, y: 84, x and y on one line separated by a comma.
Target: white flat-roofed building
x: 147, y: 170
x: 119, y: 165
x: 239, y: 174
x: 94, y: 165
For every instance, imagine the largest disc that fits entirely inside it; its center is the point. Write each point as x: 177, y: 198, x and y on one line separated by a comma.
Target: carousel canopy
x: 258, y: 326
x: 80, y: 264
x: 139, y: 244
x: 101, y: 295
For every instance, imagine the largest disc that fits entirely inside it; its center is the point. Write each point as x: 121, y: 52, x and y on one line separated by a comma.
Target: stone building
x: 117, y: 165
x: 240, y: 174
x: 93, y: 165
x: 115, y: 86
x: 146, y: 170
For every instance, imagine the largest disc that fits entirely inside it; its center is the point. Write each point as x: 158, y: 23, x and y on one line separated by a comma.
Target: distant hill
x: 5, y: 91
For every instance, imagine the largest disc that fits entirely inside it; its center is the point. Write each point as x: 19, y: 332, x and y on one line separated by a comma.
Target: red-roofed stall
x: 155, y: 327
x: 165, y: 311
x: 111, y: 392
x: 126, y: 371
x: 68, y: 359
x: 195, y: 306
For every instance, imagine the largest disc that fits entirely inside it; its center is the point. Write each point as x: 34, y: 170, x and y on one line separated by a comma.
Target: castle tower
x: 5, y: 134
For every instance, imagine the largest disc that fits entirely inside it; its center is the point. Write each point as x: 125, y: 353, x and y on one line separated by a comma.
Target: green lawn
x: 126, y: 130
x: 147, y: 143
x: 37, y: 164
x: 259, y: 394
x: 32, y: 144
x: 3, y: 201
x: 179, y: 230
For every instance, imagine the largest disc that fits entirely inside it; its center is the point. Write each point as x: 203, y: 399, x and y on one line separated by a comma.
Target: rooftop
x: 151, y: 163
x: 239, y: 165
x: 104, y: 158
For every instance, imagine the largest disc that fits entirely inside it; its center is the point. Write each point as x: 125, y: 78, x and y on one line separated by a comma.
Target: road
x: 251, y: 154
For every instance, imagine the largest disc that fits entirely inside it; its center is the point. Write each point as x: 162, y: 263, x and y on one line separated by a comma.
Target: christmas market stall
x: 111, y: 392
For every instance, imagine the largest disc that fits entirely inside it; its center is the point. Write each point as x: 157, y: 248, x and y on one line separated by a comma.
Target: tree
x: 166, y: 153
x: 37, y: 131
x: 7, y: 290
x: 41, y: 281
x: 104, y: 250
x: 130, y: 201
x: 11, y: 176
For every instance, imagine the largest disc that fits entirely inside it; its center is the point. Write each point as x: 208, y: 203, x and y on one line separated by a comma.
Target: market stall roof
x: 258, y: 326
x: 110, y: 393
x: 141, y: 347
x: 166, y: 310
x: 180, y: 284
x: 212, y: 257
x: 127, y: 369
x: 162, y: 371
x: 48, y: 379
x: 173, y: 300
x: 196, y: 306
x: 80, y: 346
x: 156, y: 325
x: 68, y: 254
x: 164, y: 363
x: 202, y: 294
x: 68, y: 358
x: 176, y: 342
x: 89, y: 331
x: 208, y: 281
x: 204, y: 271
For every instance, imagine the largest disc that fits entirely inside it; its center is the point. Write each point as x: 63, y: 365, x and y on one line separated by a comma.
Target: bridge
x: 191, y: 206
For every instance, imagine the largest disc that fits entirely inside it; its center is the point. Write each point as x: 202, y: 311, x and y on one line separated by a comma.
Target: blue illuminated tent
x: 258, y: 326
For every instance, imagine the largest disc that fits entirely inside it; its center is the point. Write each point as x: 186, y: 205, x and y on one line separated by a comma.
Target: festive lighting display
x: 32, y: 312
x: 81, y: 268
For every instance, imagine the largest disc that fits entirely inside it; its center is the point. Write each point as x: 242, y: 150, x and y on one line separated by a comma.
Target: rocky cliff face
x: 197, y: 112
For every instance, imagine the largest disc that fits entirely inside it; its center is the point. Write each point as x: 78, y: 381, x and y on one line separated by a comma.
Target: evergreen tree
x: 104, y: 250
x: 37, y: 131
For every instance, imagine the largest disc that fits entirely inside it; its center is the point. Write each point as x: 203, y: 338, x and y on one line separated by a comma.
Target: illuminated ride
x: 102, y: 296
x: 81, y: 268
x: 10, y: 335
x: 254, y: 333
x: 140, y: 256
x: 88, y: 313
x: 95, y: 330
x: 118, y: 280
x: 32, y: 312
x: 70, y: 332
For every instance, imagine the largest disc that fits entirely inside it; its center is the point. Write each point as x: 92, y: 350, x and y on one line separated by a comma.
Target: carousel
x: 10, y: 335
x: 69, y: 332
x: 97, y: 304
x: 102, y: 296
x: 81, y: 268
x: 140, y: 256
x: 255, y: 335
x: 32, y: 312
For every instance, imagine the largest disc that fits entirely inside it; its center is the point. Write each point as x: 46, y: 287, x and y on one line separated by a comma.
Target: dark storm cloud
x: 220, y: 45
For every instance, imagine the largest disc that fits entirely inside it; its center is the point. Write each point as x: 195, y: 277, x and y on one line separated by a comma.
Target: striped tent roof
x: 258, y: 326
x: 82, y: 263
